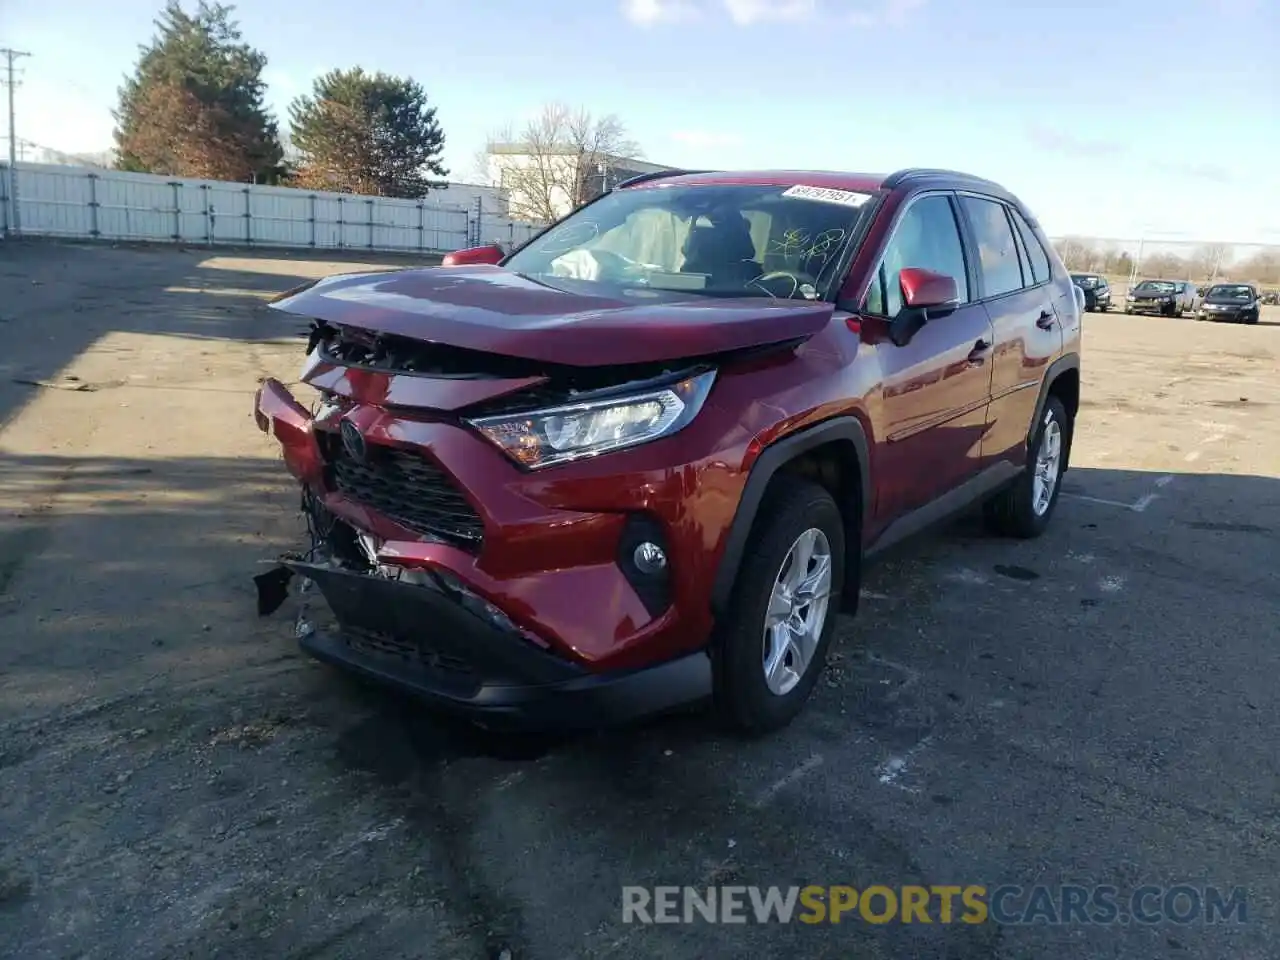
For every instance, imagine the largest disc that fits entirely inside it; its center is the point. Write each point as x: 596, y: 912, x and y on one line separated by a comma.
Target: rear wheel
x: 771, y: 648
x: 1024, y: 508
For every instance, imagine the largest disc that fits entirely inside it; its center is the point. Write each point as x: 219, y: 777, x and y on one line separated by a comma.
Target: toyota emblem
x: 353, y: 441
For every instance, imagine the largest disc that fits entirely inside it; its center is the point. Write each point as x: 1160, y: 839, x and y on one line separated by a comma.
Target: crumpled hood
x: 497, y: 311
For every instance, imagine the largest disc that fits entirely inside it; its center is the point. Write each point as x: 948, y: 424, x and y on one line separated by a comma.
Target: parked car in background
x: 1097, y: 292
x: 639, y: 462
x: 1169, y: 298
x: 1237, y: 302
x: 1271, y: 297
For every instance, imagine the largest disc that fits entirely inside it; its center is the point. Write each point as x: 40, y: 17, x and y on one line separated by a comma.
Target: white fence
x: 88, y: 203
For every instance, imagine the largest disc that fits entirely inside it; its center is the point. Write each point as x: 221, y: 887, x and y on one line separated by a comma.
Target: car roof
x: 831, y: 180
x: 827, y: 179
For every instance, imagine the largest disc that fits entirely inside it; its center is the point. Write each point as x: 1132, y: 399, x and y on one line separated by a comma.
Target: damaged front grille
x: 406, y: 486
x: 391, y: 353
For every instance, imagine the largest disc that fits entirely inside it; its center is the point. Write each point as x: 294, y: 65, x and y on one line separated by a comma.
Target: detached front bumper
x: 419, y: 640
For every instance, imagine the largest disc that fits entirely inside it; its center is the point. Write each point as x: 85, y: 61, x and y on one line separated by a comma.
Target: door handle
x: 1045, y: 320
x: 979, y: 352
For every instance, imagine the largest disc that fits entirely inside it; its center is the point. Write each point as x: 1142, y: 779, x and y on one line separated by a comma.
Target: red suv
x: 640, y: 461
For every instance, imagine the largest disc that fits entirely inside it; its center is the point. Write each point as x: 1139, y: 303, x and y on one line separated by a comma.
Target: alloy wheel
x: 1048, y: 464
x: 797, y: 611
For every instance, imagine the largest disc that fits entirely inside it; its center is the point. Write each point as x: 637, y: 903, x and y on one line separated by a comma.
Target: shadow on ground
x: 214, y: 294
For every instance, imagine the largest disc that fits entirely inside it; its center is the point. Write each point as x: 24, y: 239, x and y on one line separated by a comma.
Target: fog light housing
x: 649, y: 558
x: 643, y: 560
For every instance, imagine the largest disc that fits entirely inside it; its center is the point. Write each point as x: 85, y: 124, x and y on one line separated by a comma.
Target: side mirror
x: 491, y: 254
x: 923, y: 291
x: 926, y: 290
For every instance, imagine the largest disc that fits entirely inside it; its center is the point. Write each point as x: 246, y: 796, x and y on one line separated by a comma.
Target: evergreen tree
x: 365, y: 133
x: 194, y: 105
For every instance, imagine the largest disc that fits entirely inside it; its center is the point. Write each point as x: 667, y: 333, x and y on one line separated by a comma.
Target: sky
x: 1110, y: 119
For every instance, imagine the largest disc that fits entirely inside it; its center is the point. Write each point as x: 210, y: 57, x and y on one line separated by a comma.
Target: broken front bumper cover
x: 420, y: 640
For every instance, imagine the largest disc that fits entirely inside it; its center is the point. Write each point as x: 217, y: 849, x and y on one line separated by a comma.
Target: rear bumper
x: 420, y: 640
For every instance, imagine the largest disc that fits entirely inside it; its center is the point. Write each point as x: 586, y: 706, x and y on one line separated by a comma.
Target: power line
x: 11, y: 57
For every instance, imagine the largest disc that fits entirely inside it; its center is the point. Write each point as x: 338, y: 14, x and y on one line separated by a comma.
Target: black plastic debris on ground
x: 273, y: 589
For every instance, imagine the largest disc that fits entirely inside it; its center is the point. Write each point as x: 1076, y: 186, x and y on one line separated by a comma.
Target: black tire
x: 1011, y: 512
x: 743, y: 700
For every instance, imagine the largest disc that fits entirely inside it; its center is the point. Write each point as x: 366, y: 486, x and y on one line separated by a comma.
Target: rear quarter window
x: 1036, y: 253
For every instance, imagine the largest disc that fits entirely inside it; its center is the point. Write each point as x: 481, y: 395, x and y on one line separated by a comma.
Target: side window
x: 997, y: 250
x: 926, y: 236
x: 1035, y: 251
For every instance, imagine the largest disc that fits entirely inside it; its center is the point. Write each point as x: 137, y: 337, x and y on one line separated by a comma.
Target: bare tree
x: 1210, y: 259
x: 1262, y: 267
x: 559, y: 160
x: 1077, y: 253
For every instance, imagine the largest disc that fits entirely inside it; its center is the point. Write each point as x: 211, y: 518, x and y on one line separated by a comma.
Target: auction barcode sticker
x: 845, y: 198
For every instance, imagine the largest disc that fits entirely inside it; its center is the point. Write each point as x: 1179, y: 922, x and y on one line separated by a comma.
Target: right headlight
x: 543, y: 438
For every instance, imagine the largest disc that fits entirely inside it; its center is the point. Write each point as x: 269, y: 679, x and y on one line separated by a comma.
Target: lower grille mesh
x: 408, y: 487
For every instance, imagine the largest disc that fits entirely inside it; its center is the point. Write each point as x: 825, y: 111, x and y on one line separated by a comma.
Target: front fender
x: 767, y: 464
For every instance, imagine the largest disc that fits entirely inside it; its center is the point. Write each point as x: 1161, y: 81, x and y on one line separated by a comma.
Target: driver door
x: 936, y: 389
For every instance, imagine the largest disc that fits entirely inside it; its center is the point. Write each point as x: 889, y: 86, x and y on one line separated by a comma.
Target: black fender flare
x: 773, y: 458
x: 1070, y: 361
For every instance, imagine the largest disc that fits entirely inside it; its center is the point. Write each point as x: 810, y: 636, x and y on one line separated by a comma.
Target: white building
x: 540, y: 186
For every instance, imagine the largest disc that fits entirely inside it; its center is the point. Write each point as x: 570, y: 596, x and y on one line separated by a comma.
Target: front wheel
x: 771, y: 648
x: 1024, y: 508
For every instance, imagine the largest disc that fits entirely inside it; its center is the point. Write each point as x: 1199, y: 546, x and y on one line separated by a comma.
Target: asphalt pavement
x: 1093, y: 708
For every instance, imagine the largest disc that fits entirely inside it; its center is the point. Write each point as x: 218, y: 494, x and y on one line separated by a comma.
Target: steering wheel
x: 797, y: 278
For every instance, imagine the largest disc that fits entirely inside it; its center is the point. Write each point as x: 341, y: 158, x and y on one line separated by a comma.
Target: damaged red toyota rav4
x: 639, y: 462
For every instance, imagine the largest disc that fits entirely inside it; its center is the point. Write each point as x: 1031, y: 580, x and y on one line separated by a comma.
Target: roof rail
x: 924, y: 173
x: 654, y: 175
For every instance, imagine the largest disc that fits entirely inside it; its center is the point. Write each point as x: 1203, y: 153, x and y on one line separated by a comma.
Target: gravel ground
x: 1096, y: 707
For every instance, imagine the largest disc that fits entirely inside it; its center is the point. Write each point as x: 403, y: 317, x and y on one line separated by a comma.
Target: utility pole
x: 11, y: 57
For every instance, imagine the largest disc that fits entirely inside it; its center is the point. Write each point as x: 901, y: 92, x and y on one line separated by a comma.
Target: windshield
x: 1088, y: 283
x: 1230, y: 291
x: 713, y: 240
x: 1154, y: 286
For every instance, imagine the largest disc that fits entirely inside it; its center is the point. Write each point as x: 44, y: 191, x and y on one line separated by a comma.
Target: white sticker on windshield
x: 846, y: 198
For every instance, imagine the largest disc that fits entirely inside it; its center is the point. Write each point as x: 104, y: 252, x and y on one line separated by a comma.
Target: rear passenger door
x: 1015, y: 286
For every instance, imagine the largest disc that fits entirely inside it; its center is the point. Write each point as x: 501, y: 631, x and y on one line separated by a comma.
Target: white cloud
x: 707, y: 138
x: 648, y: 12
x: 746, y: 12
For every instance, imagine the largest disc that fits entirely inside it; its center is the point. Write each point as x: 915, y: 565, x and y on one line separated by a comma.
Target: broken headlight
x: 543, y: 438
